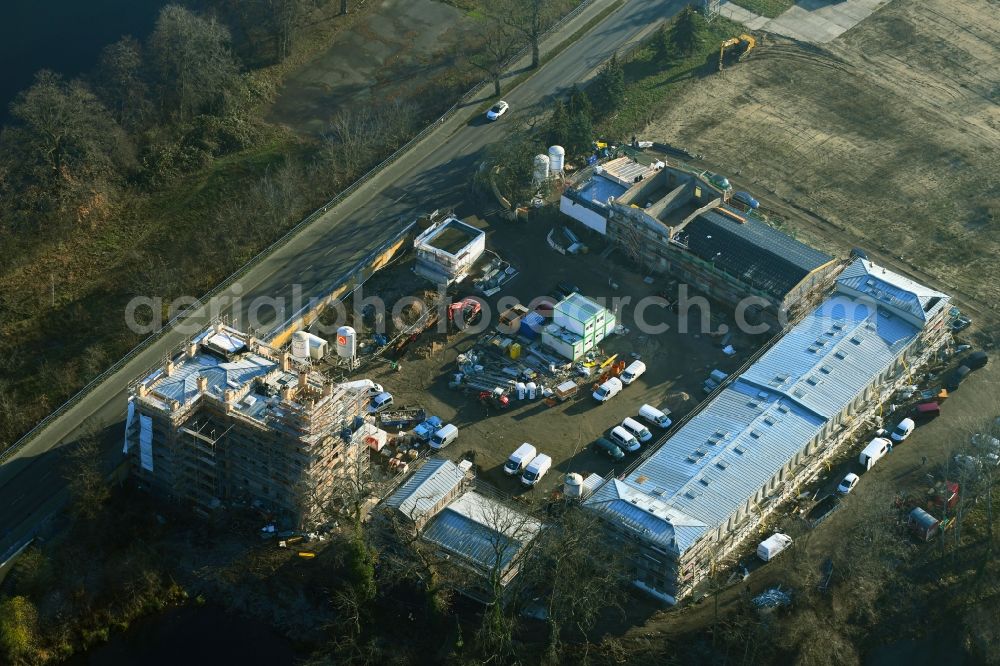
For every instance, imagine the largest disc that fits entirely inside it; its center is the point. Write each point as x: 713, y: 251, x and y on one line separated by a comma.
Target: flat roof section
x: 452, y: 236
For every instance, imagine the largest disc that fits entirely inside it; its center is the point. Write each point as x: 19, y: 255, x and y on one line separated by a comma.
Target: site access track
x: 432, y: 175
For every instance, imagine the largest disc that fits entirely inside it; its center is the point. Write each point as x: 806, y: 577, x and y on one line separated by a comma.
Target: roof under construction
x: 751, y: 251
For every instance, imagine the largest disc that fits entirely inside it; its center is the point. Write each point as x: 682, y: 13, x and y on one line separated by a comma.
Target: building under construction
x: 230, y: 420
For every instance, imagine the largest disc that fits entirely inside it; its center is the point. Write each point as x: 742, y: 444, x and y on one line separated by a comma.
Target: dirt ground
x: 677, y: 364
x: 887, y: 135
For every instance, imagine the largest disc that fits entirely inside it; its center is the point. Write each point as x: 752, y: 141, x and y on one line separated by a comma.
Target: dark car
x: 609, y: 448
x: 567, y: 288
x: 957, y: 377
x: 976, y: 360
x: 959, y: 324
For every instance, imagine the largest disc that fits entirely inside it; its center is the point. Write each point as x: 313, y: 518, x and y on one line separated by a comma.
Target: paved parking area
x: 813, y: 21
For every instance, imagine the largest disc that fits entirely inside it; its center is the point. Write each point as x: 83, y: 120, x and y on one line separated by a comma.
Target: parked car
x: 522, y: 456
x: 497, y: 110
x: 567, y: 288
x: 746, y: 199
x: 536, y: 469
x: 638, y: 430
x: 957, y: 377
x: 624, y: 439
x: 976, y: 360
x: 608, y: 390
x: 874, y: 452
x: 655, y: 416
x: 959, y: 324
x: 380, y: 402
x: 903, y: 430
x: 444, y: 437
x: 847, y: 485
x: 633, y: 372
x: 609, y: 448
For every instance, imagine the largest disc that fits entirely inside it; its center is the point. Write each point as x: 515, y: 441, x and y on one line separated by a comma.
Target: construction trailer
x: 578, y: 326
x: 228, y: 420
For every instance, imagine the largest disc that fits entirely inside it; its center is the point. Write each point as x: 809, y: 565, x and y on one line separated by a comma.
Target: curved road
x: 432, y: 175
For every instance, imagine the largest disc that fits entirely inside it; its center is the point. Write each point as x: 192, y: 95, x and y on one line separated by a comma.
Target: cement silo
x: 557, y: 159
x: 347, y: 342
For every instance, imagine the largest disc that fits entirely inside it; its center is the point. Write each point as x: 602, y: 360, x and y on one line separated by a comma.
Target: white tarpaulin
x: 146, y: 442
x: 128, y: 424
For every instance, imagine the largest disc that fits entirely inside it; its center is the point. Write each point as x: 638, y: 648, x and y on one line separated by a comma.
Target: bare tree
x: 192, y: 62
x: 497, y: 46
x: 577, y: 574
x: 530, y: 18
x: 87, y: 483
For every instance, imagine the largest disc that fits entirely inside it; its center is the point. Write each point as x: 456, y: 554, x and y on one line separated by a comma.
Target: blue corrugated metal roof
x: 480, y: 530
x: 830, y: 356
x: 738, y: 442
x: 892, y: 289
x: 428, y: 486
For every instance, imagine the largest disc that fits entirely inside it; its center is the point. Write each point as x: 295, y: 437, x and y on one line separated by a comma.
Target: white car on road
x: 497, y: 110
x: 847, y: 485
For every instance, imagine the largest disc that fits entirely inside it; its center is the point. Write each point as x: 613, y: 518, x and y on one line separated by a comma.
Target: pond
x: 65, y: 36
x: 192, y: 635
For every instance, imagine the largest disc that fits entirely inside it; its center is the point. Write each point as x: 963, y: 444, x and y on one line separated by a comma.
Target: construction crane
x: 744, y: 45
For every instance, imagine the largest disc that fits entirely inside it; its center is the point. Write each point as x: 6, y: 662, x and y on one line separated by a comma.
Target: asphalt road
x: 435, y: 174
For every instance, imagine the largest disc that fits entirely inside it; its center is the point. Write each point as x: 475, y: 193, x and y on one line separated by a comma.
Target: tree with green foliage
x: 190, y: 58
x: 579, y: 102
x: 581, y: 133
x: 662, y: 44
x: 688, y: 31
x: 558, y: 125
x: 608, y: 90
x: 18, y: 629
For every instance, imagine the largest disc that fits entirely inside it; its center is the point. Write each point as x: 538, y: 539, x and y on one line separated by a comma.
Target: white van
x: 536, y: 469
x: 770, y: 547
x: 380, y: 402
x: 443, y: 437
x: 633, y: 372
x: 654, y: 416
x: 639, y: 431
x: 877, y: 448
x: 608, y: 390
x: 624, y: 439
x: 524, y: 454
x: 363, y: 385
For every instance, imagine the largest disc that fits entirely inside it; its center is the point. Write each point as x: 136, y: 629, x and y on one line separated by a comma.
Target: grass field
x: 649, y: 84
x: 769, y: 8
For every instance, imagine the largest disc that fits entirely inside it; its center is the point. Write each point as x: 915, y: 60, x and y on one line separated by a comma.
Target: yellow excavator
x: 744, y: 45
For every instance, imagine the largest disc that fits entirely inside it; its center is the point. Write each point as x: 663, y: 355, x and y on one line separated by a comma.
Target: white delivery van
x: 363, y: 385
x: 770, y: 547
x: 654, y: 416
x: 624, y: 439
x: 608, y: 390
x: 443, y: 437
x: 633, y: 372
x: 380, y: 402
x: 639, y: 431
x: 536, y: 469
x: 877, y: 448
x: 524, y: 454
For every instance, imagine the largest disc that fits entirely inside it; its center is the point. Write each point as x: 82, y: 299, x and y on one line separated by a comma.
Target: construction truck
x: 739, y: 48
